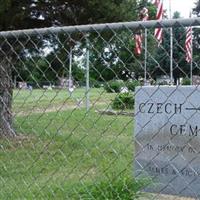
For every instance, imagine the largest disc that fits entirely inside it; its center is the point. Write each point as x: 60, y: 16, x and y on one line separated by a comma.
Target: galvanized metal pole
x: 191, y: 63
x: 70, y: 69
x: 145, y: 58
x: 87, y: 75
x: 171, y: 56
x: 171, y: 46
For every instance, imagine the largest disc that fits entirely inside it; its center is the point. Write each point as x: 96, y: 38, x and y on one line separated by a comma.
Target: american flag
x: 138, y: 37
x: 159, y: 16
x: 188, y: 44
x: 138, y: 44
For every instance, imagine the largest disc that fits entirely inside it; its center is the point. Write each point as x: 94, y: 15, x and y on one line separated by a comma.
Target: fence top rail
x: 107, y: 26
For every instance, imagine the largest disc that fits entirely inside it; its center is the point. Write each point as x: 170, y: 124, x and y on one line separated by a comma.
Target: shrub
x: 97, y: 84
x: 94, y: 83
x: 114, y: 86
x: 131, y: 85
x: 186, y: 81
x: 123, y: 101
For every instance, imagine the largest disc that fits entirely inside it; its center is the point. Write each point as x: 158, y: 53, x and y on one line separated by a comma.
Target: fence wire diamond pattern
x: 67, y: 115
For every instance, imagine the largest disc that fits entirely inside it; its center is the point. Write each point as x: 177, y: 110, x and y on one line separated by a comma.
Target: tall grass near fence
x: 59, y: 155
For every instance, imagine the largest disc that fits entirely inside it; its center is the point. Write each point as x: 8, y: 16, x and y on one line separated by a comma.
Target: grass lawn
x: 66, y: 154
x: 38, y: 99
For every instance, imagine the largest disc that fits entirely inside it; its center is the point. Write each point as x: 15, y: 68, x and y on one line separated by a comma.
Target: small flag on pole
x: 188, y: 44
x: 138, y: 37
x: 138, y: 44
x: 144, y: 14
x: 159, y: 16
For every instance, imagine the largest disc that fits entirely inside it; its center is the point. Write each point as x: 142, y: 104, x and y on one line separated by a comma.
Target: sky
x: 182, y: 6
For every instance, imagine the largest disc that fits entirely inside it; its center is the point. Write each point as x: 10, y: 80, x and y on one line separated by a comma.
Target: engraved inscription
x: 167, y: 129
x: 160, y: 108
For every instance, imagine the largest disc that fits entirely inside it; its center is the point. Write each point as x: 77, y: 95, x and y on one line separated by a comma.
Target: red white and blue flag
x: 144, y: 15
x: 159, y: 16
x: 188, y: 45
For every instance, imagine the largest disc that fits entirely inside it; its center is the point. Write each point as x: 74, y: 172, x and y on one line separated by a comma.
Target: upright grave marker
x: 167, y: 138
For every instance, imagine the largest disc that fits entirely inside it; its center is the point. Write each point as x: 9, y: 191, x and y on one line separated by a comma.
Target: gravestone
x: 22, y: 85
x: 167, y: 139
x: 195, y: 80
x: 66, y: 83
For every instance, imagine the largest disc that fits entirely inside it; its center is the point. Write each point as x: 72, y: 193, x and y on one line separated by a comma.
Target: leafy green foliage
x: 95, y: 84
x: 186, y: 81
x: 123, y: 101
x: 114, y: 86
x: 132, y: 84
x: 34, y: 14
x: 78, y: 73
x: 196, y: 10
x: 162, y: 54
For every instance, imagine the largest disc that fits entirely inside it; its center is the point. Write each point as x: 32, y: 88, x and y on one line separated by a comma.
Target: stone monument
x: 167, y: 138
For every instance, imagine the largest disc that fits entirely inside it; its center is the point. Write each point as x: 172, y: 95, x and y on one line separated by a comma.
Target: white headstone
x: 124, y: 90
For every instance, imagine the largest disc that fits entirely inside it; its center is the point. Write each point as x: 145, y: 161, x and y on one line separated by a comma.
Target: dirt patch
x: 46, y: 110
x: 113, y: 112
x: 13, y: 143
x: 54, y: 109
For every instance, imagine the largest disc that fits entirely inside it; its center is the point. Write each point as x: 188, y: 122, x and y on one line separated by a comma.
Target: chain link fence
x: 68, y: 125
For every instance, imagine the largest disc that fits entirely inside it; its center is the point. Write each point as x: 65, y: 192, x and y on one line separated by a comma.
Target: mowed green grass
x: 60, y: 155
x: 38, y: 99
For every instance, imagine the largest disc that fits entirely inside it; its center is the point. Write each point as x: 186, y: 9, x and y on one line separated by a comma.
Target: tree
x: 196, y: 41
x: 196, y: 10
x: 112, y: 54
x: 5, y: 93
x: 161, y: 54
x: 45, y: 13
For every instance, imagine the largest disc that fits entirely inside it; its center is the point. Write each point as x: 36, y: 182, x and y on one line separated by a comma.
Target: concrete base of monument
x: 151, y: 196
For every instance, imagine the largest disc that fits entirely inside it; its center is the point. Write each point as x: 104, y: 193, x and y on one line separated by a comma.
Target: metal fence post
x: 145, y: 58
x: 87, y: 75
x: 171, y: 56
x: 70, y: 70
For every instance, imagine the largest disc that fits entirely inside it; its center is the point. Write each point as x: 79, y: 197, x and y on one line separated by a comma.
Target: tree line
x: 46, y: 57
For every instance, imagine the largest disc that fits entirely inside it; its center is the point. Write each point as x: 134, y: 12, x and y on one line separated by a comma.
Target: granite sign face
x: 167, y: 138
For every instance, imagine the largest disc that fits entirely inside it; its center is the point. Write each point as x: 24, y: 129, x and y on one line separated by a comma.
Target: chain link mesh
x: 67, y: 108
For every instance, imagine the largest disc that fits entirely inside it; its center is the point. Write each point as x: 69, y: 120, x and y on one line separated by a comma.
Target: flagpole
x: 145, y: 57
x: 171, y: 46
x: 191, y: 62
x: 171, y: 56
x: 87, y: 75
x: 70, y: 69
x: 145, y: 18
